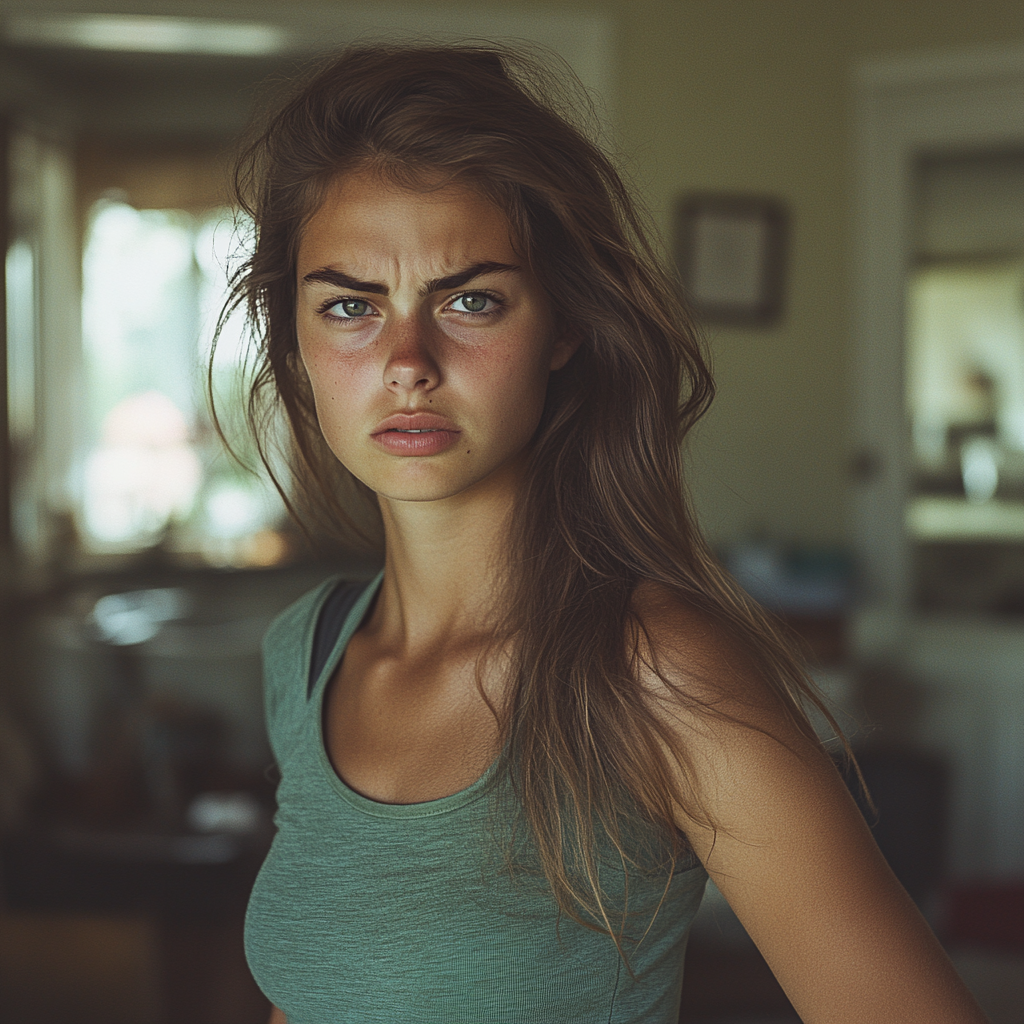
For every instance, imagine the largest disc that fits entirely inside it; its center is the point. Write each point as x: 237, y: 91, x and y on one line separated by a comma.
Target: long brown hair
x: 604, y: 505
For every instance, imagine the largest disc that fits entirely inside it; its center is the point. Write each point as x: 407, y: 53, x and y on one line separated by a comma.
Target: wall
x: 157, y: 176
x: 755, y: 95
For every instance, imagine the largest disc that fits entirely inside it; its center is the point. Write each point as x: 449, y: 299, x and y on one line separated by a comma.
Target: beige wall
x: 755, y: 95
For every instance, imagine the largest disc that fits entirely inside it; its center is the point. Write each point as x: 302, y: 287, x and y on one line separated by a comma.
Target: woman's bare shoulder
x: 685, y: 649
x: 734, y: 713
x: 777, y: 830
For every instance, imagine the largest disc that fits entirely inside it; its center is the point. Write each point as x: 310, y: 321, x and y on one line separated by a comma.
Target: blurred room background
x: 861, y: 472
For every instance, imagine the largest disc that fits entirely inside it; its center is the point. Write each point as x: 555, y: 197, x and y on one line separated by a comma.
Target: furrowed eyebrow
x: 328, y: 275
x: 325, y: 275
x: 457, y: 280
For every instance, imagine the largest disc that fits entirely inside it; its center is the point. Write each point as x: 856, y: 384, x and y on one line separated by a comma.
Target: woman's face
x: 427, y: 342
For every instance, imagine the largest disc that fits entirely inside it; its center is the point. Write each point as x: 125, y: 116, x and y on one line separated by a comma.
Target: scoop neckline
x: 422, y: 809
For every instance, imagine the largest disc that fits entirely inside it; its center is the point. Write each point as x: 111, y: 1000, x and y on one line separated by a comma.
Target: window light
x: 140, y: 33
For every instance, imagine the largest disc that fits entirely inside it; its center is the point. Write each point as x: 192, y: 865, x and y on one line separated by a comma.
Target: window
x: 153, y: 469
x: 109, y: 324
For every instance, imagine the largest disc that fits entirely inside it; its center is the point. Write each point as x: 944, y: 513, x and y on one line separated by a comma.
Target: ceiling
x: 128, y: 94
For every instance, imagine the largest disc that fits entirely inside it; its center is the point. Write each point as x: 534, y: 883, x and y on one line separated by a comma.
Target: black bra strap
x: 332, y: 617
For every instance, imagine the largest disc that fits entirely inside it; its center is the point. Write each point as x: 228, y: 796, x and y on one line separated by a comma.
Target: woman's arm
x: 793, y: 854
x: 277, y: 1016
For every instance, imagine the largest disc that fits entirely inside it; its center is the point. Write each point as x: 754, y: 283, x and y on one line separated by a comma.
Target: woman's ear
x: 569, y: 339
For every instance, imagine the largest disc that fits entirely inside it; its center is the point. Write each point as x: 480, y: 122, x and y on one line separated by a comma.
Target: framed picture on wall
x: 730, y: 250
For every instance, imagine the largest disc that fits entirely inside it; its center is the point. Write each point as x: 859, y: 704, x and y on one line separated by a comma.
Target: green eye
x: 473, y: 303
x: 350, y: 308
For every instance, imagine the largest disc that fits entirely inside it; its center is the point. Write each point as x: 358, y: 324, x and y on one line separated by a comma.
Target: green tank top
x: 371, y: 913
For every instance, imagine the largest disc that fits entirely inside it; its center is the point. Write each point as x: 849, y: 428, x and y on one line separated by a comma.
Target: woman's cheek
x: 317, y: 336
x: 335, y: 363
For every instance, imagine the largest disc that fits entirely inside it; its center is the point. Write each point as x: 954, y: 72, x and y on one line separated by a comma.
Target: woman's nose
x: 411, y: 364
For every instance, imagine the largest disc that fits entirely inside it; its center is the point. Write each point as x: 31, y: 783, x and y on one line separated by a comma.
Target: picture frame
x: 730, y: 250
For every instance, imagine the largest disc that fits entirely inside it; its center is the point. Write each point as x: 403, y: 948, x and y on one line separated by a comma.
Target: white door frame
x: 904, y: 107
x: 971, y: 669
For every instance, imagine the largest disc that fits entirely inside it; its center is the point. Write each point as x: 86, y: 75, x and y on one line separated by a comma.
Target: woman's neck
x: 443, y: 567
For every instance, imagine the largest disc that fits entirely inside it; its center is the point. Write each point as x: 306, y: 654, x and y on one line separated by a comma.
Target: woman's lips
x: 418, y: 433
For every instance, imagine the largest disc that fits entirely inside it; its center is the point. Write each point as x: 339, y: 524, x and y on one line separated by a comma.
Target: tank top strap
x: 333, y: 613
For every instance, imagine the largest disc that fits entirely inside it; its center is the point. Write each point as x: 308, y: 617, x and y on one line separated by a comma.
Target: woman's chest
x: 374, y: 919
x: 404, y: 733
x: 375, y: 914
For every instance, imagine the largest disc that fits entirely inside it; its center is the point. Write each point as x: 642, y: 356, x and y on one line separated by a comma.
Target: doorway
x: 921, y: 122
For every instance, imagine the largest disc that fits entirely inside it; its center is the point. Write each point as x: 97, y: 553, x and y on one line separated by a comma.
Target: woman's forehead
x: 367, y: 218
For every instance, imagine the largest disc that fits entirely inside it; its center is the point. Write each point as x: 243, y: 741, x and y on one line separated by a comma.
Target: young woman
x: 510, y: 763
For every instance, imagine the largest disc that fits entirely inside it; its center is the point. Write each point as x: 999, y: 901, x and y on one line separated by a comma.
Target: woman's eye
x: 472, y: 302
x: 349, y: 309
